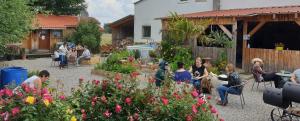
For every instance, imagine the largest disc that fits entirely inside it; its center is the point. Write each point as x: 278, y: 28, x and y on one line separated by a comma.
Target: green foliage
x: 114, y: 64
x: 58, y: 7
x: 87, y: 33
x: 15, y: 22
x: 137, y: 54
x: 182, y: 55
x: 32, y: 73
x: 221, y: 62
x: 216, y: 39
x: 107, y: 28
x: 181, y: 30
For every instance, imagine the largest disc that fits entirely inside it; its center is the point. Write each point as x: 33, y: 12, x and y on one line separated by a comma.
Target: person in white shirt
x: 36, y: 81
x: 63, y: 50
x: 56, y: 55
x: 85, y: 55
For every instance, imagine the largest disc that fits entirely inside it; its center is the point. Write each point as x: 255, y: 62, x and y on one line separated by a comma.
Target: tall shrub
x: 87, y: 33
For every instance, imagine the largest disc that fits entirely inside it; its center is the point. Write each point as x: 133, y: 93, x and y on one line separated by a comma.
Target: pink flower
x: 128, y: 101
x: 118, y: 108
x: 2, y: 92
x: 94, y: 99
x: 222, y: 119
x: 26, y: 88
x: 165, y: 101
x: 136, y: 116
x: 45, y: 91
x: 189, y: 118
x: 5, y: 116
x: 107, y: 114
x: 48, y: 97
x: 119, y: 86
x: 82, y: 111
x: 194, y: 108
x: 15, y: 111
x: 62, y: 97
x: 103, y: 99
x: 93, y: 104
x: 97, y: 82
x: 178, y: 82
x: 118, y: 77
x: 20, y: 94
x: 8, y: 92
x: 195, y: 93
x: 213, y: 110
x: 200, y: 102
x: 208, y: 97
x: 83, y: 116
x: 151, y: 80
x: 204, y: 109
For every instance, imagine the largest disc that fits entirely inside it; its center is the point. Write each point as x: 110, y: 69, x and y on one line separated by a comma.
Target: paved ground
x: 254, y: 110
x: 69, y: 76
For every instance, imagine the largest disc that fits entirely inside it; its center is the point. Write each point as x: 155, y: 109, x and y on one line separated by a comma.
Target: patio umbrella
x: 256, y: 59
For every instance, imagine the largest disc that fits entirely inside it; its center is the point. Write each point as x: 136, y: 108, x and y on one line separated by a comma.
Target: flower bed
x: 115, y: 99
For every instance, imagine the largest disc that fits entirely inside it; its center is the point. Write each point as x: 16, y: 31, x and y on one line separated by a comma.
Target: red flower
x: 20, y: 94
x: 83, y: 116
x: 118, y: 108
x: 151, y: 80
x: 93, y: 104
x: 2, y: 92
x: 213, y: 110
x: 195, y: 93
x: 208, y: 97
x: 82, y: 111
x: 189, y: 118
x: 165, y: 101
x: 136, y: 116
x: 222, y: 119
x: 62, y: 97
x: 103, y: 99
x: 118, y: 77
x: 194, y: 108
x: 48, y: 97
x: 8, y: 92
x: 45, y: 91
x: 119, y: 86
x: 128, y: 101
x: 15, y: 111
x: 204, y: 109
x: 178, y: 82
x: 26, y: 88
x: 107, y: 114
x: 134, y: 74
x: 130, y: 59
x: 94, y: 99
x: 200, y: 101
x: 97, y: 82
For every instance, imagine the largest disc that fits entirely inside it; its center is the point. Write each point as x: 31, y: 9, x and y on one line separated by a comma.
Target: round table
x: 284, y: 76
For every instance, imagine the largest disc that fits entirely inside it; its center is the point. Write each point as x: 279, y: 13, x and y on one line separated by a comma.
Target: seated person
x: 296, y: 76
x: 199, y: 73
x: 85, y: 55
x: 56, y: 55
x: 36, y: 81
x: 63, y: 55
x: 261, y: 75
x: 181, y: 74
x: 161, y: 73
x: 233, y: 80
x: 72, y: 55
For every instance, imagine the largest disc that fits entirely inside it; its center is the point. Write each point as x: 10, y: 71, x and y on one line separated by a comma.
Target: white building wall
x: 147, y: 11
x: 233, y: 4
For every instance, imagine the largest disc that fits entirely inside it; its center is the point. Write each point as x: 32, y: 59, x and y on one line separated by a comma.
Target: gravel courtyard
x: 254, y: 110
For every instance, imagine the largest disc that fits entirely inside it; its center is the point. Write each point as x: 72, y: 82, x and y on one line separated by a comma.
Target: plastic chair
x: 259, y: 81
x: 242, y: 85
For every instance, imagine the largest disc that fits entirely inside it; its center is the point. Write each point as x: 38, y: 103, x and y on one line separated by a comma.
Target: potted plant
x: 279, y: 46
x: 23, y: 53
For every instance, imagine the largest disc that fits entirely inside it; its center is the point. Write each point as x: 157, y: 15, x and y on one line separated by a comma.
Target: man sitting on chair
x: 85, y: 55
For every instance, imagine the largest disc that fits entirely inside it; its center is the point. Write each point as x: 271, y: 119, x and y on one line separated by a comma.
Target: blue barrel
x: 13, y: 75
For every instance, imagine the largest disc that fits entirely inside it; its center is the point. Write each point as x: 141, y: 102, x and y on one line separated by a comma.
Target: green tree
x: 87, y: 33
x: 58, y: 7
x: 15, y: 22
x: 107, y: 28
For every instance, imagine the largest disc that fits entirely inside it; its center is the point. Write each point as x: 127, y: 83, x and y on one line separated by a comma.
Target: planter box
x: 108, y: 74
x: 279, y: 48
x: 92, y: 61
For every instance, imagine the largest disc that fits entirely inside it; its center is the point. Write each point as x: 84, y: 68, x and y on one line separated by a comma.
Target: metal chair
x: 259, y: 81
x: 242, y: 99
x: 54, y: 61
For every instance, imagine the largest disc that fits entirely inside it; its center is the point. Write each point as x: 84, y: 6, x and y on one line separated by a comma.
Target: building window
x: 146, y: 31
x: 57, y: 33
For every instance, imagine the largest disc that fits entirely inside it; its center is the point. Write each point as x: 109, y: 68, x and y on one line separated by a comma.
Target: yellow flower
x: 47, y: 103
x: 69, y: 111
x: 30, y: 100
x: 73, y: 118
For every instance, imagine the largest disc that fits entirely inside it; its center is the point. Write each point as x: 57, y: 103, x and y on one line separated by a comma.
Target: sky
x: 107, y: 11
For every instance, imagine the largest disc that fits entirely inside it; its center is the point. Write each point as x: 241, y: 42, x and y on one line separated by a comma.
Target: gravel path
x: 69, y: 76
x: 254, y: 110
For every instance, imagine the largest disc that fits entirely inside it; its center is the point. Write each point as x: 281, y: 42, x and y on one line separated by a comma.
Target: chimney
x: 216, y: 4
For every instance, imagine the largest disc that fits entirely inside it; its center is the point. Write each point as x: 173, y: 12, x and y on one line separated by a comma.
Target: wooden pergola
x: 261, y: 16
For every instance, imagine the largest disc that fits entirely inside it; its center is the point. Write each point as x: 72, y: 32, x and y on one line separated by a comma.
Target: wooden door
x: 44, y: 39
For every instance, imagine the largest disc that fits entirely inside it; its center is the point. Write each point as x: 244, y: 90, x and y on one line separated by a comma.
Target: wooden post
x: 257, y: 27
x: 245, y: 32
x: 234, y: 38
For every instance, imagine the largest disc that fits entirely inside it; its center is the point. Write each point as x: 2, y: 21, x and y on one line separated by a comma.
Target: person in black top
x: 233, y: 80
x: 199, y: 73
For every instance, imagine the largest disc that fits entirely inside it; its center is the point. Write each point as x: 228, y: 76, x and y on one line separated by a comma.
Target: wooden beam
x: 298, y: 22
x: 256, y: 28
x: 234, y: 39
x: 226, y: 31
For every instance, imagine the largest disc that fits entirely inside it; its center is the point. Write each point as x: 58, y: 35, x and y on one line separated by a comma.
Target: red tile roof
x: 55, y: 22
x: 245, y: 12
